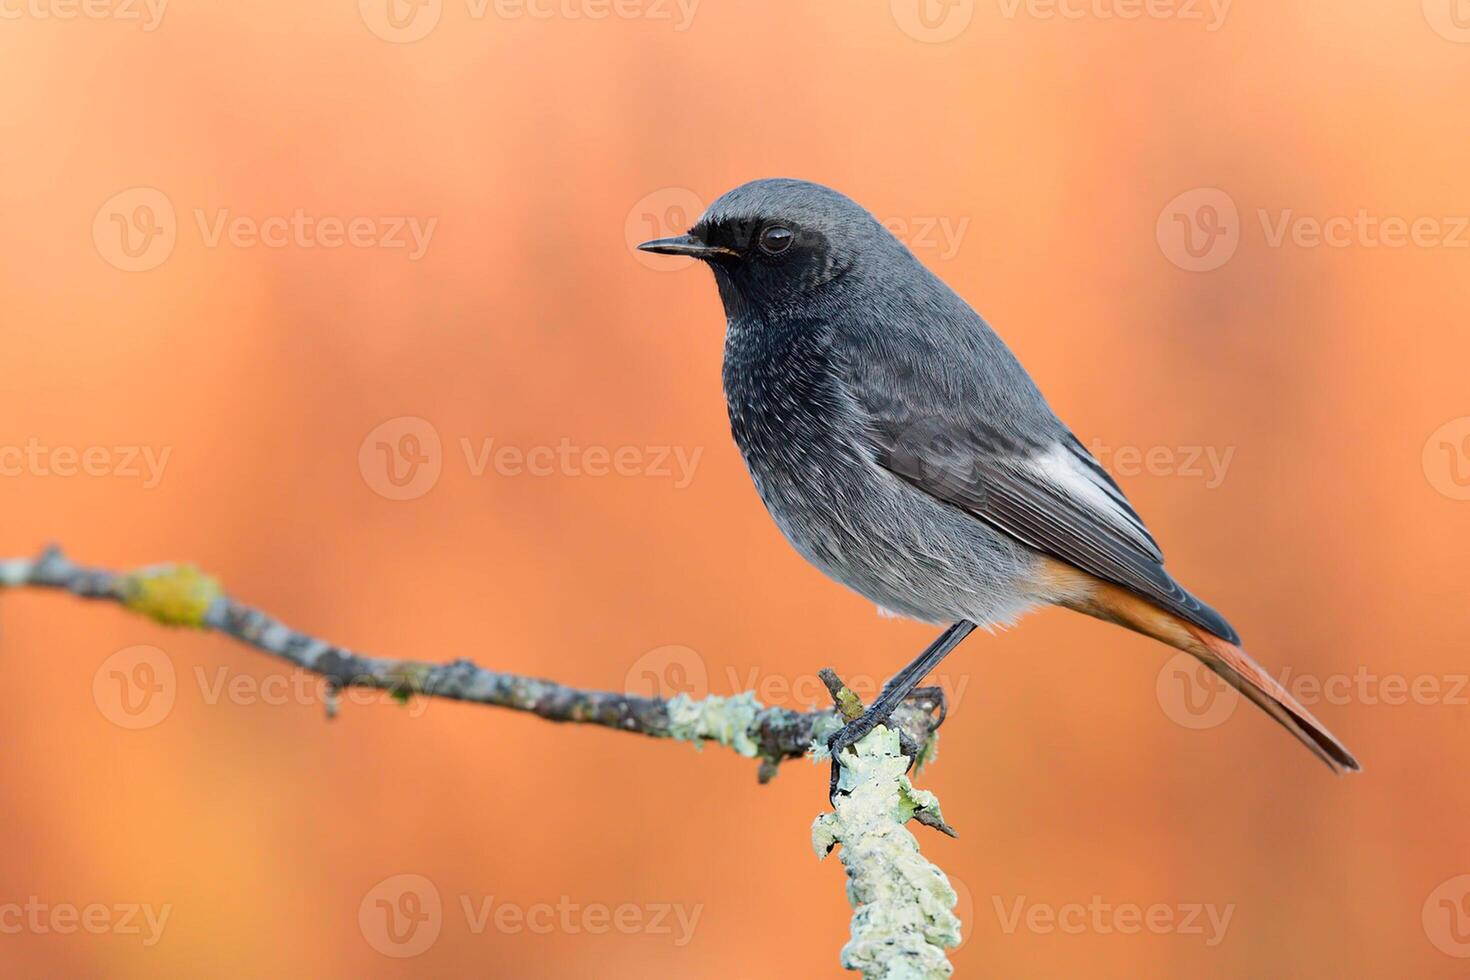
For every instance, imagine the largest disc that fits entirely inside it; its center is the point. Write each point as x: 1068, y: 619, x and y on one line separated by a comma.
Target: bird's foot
x: 931, y: 699
x: 859, y: 728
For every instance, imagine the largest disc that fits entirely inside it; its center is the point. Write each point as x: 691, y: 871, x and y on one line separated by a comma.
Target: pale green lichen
x: 408, y: 677
x: 15, y: 572
x: 928, y: 752
x: 175, y: 595
x: 822, y: 729
x: 903, y: 920
x: 728, y: 721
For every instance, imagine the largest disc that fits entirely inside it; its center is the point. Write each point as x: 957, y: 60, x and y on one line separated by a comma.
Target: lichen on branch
x: 903, y: 919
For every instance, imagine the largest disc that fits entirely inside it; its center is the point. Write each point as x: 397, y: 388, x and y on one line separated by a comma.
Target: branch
x: 902, y: 921
x: 903, y: 918
x: 181, y: 595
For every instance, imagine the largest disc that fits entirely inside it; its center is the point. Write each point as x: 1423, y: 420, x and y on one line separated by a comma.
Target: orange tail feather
x: 1117, y: 605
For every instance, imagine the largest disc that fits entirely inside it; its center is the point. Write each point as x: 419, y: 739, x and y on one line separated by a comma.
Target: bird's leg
x: 898, y: 688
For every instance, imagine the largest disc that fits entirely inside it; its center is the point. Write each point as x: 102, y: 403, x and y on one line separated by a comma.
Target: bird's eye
x: 776, y: 239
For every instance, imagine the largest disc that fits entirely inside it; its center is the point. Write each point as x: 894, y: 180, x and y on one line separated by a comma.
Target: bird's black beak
x: 687, y: 245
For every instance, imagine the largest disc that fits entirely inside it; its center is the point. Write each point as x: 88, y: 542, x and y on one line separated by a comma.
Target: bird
x: 901, y: 448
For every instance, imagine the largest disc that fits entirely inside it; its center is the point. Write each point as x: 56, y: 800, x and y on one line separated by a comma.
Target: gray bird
x: 903, y: 450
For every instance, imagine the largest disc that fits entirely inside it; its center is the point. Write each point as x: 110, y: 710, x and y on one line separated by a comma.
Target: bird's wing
x: 1022, y: 472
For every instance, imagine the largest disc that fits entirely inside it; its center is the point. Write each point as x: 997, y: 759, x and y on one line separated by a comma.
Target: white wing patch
x: 1073, y: 479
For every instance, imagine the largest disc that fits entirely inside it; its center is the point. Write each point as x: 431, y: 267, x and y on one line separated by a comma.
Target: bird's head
x: 774, y: 242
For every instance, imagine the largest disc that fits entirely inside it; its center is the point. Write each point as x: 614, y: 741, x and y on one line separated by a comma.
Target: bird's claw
x: 836, y: 743
x: 936, y: 697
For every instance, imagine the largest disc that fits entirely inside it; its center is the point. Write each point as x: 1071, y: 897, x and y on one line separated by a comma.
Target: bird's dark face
x: 761, y: 261
x: 774, y: 244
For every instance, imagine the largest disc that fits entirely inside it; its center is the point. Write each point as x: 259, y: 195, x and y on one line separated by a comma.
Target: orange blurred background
x: 1288, y: 412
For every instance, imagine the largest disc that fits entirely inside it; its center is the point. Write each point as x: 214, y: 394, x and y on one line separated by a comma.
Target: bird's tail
x: 1107, y: 601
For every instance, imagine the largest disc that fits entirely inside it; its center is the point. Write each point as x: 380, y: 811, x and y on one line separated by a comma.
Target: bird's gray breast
x: 806, y: 445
